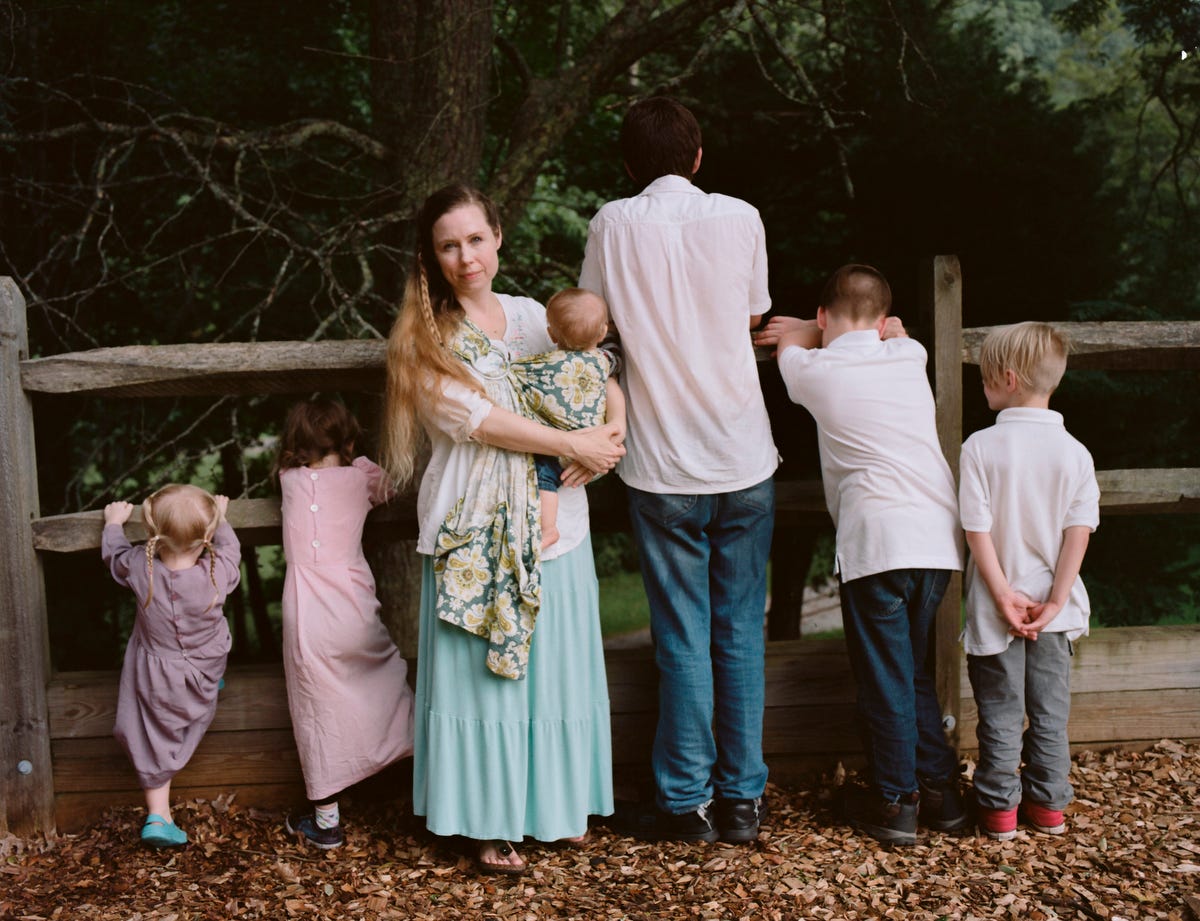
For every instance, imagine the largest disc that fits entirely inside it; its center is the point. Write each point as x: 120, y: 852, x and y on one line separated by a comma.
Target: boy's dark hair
x: 857, y: 292
x: 314, y: 429
x: 659, y: 137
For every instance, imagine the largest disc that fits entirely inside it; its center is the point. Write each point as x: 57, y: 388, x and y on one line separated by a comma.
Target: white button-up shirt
x: 682, y: 272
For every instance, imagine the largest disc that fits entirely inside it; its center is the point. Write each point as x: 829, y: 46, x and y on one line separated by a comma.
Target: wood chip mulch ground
x: 1132, y: 851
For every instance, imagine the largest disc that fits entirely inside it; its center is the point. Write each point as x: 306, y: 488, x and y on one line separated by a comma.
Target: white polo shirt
x: 1024, y: 481
x: 682, y: 272
x: 888, y: 487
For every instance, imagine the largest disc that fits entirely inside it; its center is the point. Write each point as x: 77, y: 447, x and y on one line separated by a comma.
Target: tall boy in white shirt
x: 1029, y: 502
x: 684, y: 273
x: 891, y: 496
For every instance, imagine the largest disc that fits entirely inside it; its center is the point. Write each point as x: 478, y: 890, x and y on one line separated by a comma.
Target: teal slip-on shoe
x: 158, y: 832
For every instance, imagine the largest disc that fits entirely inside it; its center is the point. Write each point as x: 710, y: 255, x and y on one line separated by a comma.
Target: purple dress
x: 176, y: 654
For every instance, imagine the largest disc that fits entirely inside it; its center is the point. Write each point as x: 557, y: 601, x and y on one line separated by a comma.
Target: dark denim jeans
x: 889, y: 636
x: 704, y: 560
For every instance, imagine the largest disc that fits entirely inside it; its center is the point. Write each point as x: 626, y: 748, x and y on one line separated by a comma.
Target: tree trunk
x: 429, y: 88
x: 430, y: 61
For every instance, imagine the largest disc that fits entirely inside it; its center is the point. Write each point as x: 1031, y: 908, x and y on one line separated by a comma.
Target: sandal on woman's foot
x: 501, y: 849
x: 158, y: 832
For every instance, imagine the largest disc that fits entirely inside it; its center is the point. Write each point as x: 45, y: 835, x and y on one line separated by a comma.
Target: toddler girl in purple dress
x: 177, y: 651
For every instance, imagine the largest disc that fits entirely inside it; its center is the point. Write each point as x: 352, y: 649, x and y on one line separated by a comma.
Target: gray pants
x: 1029, y: 678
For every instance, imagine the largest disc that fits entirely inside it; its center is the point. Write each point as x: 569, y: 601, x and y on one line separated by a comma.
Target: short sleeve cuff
x: 460, y: 411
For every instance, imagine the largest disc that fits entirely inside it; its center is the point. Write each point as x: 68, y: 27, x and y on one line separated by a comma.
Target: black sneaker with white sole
x: 324, y: 838
x: 866, y: 810
x: 696, y: 825
x: 942, y: 806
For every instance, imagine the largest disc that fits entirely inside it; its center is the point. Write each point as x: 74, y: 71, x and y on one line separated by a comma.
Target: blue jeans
x: 1031, y: 677
x: 704, y: 561
x: 889, y: 620
x: 549, y: 472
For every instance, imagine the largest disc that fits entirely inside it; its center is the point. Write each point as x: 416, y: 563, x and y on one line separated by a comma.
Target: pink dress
x: 352, y: 709
x: 176, y: 653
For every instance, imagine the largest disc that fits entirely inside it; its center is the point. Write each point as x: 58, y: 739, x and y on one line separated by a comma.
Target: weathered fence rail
x: 59, y: 764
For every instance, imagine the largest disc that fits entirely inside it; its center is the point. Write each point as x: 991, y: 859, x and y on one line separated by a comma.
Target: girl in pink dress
x: 349, y: 698
x: 176, y: 653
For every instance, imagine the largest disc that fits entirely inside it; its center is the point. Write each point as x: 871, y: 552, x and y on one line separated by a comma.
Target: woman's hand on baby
x: 598, y: 448
x: 117, y: 512
x: 892, y: 329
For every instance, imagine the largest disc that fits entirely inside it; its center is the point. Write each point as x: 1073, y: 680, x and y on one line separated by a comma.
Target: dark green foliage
x: 1177, y: 21
x: 864, y: 130
x: 614, y: 552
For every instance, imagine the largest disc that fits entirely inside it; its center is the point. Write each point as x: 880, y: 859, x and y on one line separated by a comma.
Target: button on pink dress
x: 352, y: 709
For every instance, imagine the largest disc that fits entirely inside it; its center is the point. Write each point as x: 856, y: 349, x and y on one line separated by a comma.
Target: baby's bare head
x: 577, y: 318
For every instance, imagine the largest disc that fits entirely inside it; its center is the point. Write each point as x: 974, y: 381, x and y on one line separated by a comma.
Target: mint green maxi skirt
x: 501, y: 759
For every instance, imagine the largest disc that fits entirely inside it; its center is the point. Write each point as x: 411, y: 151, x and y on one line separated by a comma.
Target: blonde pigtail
x: 151, y: 544
x: 212, y: 573
x: 151, y: 552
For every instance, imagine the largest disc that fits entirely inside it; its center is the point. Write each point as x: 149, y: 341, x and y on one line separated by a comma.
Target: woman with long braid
x: 180, y: 641
x: 504, y: 748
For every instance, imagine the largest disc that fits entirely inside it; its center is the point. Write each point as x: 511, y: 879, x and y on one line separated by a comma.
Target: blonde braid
x: 427, y: 305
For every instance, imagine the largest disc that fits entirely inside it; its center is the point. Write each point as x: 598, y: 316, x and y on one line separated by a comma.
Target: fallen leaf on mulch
x: 1131, y: 852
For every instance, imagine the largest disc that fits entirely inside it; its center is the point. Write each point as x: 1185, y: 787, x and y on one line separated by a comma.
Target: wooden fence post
x: 943, y: 294
x: 26, y: 775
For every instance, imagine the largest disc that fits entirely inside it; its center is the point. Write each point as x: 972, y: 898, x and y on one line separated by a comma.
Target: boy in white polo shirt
x: 891, y: 496
x: 1029, y: 502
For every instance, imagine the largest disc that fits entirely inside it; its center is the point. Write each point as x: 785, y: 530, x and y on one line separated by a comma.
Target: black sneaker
x: 942, y: 806
x: 738, y: 819
x: 324, y: 838
x: 696, y: 825
x: 866, y: 810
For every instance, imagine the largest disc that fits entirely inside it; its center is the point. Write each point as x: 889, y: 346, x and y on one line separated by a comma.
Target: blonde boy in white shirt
x: 1029, y: 502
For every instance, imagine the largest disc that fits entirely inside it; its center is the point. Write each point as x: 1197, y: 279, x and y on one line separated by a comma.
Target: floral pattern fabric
x: 487, y: 556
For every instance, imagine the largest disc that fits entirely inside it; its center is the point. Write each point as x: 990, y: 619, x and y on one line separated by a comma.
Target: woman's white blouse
x: 460, y: 413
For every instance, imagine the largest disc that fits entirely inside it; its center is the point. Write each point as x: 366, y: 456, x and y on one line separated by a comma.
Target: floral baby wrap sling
x: 487, y: 556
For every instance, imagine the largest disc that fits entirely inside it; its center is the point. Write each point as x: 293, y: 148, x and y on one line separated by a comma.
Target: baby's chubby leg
x: 549, y: 500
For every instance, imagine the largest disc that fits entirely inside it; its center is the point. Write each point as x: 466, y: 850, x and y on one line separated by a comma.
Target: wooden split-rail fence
x: 60, y: 767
